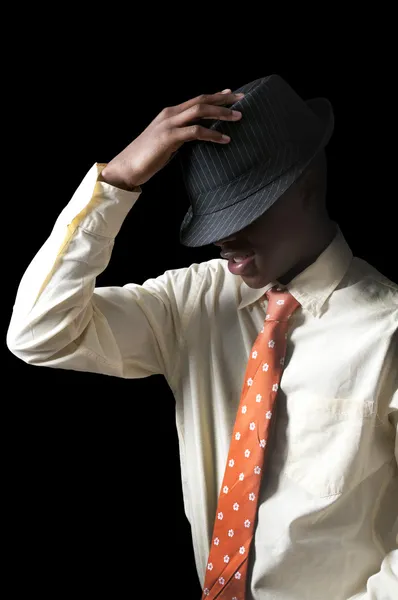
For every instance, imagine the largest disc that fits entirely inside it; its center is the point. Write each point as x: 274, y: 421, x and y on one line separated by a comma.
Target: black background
x: 91, y: 476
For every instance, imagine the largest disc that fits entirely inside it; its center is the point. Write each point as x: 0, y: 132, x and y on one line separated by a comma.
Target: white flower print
x: 282, y: 361
x: 262, y: 329
x: 265, y: 367
x: 226, y: 558
x: 247, y: 523
x: 250, y: 381
x: 271, y: 344
x: 237, y: 435
x: 234, y: 598
x: 254, y: 354
x: 216, y: 541
x: 241, y: 476
x: 244, y: 409
x: 225, y: 489
x: 267, y: 317
x: 231, y: 533
x: 237, y: 575
x: 236, y: 506
x: 220, y: 516
x: 247, y: 453
x: 275, y: 387
x: 221, y: 581
x: 262, y: 443
x: 231, y: 462
x: 280, y: 302
x: 242, y: 550
x: 252, y: 496
x: 252, y: 426
x: 257, y: 470
x: 210, y: 566
x: 206, y: 591
x: 268, y: 415
x: 259, y: 398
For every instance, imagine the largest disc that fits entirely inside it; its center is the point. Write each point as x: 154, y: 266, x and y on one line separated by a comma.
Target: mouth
x: 240, y: 264
x: 236, y: 255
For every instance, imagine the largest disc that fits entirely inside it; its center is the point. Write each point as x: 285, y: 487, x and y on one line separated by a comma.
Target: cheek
x: 274, y: 237
x: 278, y: 250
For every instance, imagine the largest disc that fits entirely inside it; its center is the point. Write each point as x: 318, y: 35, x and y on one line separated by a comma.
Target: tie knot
x: 281, y: 304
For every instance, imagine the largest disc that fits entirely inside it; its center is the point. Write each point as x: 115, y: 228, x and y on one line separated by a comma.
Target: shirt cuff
x: 97, y: 206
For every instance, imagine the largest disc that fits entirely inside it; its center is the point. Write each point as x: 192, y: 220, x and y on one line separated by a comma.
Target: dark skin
x: 170, y: 129
x: 285, y: 240
x: 291, y: 234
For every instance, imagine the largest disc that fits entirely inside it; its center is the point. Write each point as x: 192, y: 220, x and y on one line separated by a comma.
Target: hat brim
x: 201, y: 230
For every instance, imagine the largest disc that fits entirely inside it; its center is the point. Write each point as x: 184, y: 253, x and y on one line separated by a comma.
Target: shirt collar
x: 313, y: 286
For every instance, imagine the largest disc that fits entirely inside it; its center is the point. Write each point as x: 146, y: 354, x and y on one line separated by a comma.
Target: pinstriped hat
x: 231, y: 185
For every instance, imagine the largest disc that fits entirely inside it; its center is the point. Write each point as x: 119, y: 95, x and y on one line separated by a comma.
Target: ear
x: 313, y: 186
x: 306, y: 188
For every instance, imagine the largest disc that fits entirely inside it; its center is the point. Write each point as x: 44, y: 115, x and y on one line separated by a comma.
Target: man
x: 287, y: 330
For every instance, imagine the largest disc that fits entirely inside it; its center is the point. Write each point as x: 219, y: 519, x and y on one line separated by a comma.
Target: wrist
x: 111, y: 176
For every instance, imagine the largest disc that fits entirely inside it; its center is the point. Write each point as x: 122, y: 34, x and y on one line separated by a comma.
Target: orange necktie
x: 237, y: 504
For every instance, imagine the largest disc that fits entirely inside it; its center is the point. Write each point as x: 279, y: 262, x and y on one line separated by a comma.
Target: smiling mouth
x: 239, y: 265
x: 242, y: 258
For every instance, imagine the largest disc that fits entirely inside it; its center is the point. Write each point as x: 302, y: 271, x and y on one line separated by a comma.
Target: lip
x: 230, y: 254
x: 242, y: 267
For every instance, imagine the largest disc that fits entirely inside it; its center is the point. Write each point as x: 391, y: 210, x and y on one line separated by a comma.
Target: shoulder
x: 188, y: 286
x: 194, y: 274
x: 371, y: 288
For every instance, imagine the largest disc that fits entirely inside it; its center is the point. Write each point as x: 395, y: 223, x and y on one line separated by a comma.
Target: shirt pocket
x: 329, y: 445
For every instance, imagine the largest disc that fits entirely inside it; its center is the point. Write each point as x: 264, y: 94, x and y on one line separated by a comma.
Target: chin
x: 256, y: 281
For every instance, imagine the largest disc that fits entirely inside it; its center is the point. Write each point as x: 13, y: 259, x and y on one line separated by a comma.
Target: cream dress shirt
x: 328, y: 512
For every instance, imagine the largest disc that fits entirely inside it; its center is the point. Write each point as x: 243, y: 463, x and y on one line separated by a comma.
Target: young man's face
x: 276, y: 242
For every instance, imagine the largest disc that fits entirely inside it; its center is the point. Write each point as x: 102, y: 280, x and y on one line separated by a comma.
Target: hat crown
x: 231, y: 185
x: 277, y: 130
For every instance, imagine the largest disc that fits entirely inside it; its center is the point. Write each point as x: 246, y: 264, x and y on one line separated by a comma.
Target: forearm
x: 53, y: 301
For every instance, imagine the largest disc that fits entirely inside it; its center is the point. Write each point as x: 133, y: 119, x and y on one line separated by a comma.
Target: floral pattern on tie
x: 237, y: 505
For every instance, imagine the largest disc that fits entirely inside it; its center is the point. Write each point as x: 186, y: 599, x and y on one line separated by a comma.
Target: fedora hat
x: 230, y: 185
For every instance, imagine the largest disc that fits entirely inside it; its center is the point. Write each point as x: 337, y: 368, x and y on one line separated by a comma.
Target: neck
x: 320, y: 238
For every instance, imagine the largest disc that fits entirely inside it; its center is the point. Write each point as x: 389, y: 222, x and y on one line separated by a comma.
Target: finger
x: 219, y: 98
x: 197, y: 132
x: 227, y: 98
x: 198, y: 112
